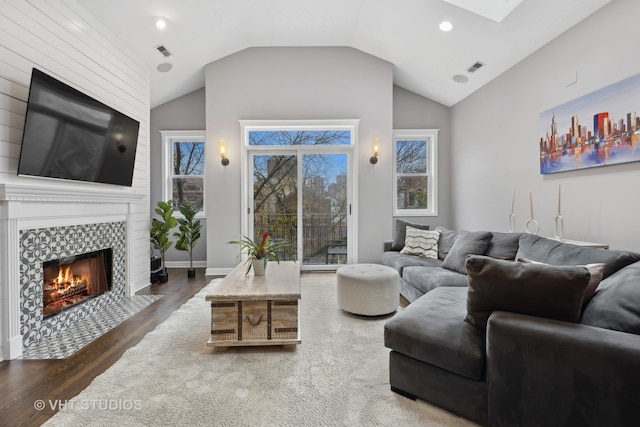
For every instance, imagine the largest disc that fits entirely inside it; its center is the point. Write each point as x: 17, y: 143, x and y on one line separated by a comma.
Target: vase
x: 258, y: 266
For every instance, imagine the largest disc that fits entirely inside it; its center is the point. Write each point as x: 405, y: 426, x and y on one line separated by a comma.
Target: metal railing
x: 324, y: 237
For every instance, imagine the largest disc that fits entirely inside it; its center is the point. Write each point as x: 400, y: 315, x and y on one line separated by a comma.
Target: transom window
x: 415, y: 178
x: 183, y: 158
x: 299, y: 137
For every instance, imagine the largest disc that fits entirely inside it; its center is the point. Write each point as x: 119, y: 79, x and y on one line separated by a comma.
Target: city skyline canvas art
x: 598, y: 129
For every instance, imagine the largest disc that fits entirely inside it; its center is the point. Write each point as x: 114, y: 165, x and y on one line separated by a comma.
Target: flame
x: 66, y: 280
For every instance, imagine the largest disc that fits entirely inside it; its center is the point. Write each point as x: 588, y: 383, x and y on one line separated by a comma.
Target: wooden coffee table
x: 256, y: 310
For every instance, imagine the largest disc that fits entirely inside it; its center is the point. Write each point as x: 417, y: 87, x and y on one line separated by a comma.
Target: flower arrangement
x: 265, y: 249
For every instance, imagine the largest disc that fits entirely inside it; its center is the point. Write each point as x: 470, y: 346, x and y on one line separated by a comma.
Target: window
x: 415, y: 190
x: 183, y: 159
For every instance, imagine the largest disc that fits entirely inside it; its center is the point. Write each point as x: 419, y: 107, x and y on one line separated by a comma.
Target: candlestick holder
x: 512, y: 222
x: 558, y: 227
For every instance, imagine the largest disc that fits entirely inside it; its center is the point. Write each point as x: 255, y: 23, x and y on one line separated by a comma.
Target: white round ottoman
x: 368, y: 289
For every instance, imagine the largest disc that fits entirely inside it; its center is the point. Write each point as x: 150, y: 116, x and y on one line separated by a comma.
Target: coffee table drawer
x: 284, y: 319
x: 224, y: 321
x: 254, y: 320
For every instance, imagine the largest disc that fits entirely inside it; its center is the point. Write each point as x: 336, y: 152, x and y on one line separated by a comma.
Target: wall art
x: 597, y: 129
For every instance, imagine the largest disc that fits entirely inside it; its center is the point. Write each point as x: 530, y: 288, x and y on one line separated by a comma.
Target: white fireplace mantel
x: 24, y: 206
x: 39, y: 193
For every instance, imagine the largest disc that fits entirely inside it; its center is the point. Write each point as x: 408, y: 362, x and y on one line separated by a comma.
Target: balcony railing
x: 324, y: 237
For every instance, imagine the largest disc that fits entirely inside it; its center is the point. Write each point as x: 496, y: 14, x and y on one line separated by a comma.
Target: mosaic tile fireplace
x: 40, y: 246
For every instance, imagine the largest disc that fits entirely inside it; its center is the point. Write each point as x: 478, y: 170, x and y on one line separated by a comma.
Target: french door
x: 301, y: 194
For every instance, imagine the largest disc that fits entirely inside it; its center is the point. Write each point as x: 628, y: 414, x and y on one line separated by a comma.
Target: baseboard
x: 218, y: 271
x: 185, y: 264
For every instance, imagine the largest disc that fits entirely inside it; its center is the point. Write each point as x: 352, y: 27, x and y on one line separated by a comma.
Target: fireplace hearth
x: 72, y: 280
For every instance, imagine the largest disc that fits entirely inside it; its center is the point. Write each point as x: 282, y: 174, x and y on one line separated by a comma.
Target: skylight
x: 495, y: 10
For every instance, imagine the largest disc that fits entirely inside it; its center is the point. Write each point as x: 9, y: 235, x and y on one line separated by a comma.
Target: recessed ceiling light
x: 164, y: 67
x: 459, y: 78
x: 160, y: 22
x: 446, y: 26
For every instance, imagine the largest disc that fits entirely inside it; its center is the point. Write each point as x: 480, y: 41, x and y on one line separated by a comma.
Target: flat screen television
x: 70, y: 135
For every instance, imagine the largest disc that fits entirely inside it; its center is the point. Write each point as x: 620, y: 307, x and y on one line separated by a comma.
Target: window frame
x: 169, y: 137
x: 431, y: 136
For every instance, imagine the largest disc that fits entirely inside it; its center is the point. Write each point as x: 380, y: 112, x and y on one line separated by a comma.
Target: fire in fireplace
x: 75, y: 279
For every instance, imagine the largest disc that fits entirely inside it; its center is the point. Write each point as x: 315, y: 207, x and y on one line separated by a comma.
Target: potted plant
x: 159, y: 232
x: 188, y: 234
x: 259, y: 252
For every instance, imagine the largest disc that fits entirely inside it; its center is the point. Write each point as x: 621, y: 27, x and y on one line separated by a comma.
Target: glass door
x: 298, y: 186
x: 324, y: 209
x: 275, y: 199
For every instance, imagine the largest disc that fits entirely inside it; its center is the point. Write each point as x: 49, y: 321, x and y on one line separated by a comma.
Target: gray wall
x: 495, y: 138
x: 184, y: 113
x: 412, y: 111
x: 293, y: 83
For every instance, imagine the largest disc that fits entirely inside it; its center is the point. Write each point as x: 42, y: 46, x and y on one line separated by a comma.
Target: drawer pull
x: 254, y: 323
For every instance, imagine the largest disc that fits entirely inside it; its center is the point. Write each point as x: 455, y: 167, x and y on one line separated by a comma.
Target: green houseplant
x: 260, y: 251
x: 188, y: 234
x: 159, y: 232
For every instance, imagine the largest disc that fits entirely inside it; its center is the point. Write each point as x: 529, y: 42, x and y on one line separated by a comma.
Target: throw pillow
x: 503, y: 245
x: 554, y: 292
x: 467, y: 243
x: 447, y: 239
x: 596, y: 271
x: 615, y: 305
x: 421, y: 242
x: 401, y: 232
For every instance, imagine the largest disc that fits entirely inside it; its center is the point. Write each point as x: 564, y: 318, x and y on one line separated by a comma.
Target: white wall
x: 495, y: 138
x: 412, y: 111
x: 63, y: 40
x: 184, y: 113
x: 294, y: 84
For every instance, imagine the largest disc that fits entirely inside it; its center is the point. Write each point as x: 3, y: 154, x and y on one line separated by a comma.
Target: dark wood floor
x: 26, y: 383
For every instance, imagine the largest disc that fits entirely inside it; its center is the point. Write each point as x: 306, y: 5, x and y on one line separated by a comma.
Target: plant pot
x: 164, y: 277
x: 259, y: 269
x: 191, y: 273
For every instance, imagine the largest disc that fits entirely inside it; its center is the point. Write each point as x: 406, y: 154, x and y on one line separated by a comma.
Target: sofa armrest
x: 547, y: 372
x: 386, y: 245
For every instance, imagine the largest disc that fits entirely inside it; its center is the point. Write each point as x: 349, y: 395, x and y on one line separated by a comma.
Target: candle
x: 558, y: 199
x: 531, y: 204
x: 513, y: 199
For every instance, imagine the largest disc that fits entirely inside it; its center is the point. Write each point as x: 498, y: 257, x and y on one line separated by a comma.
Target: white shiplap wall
x: 65, y: 41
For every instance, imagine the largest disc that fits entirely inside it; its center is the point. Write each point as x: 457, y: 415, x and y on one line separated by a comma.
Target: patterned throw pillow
x: 421, y: 242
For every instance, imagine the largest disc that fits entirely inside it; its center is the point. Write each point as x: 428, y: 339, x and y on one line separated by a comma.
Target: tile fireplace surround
x: 39, y: 224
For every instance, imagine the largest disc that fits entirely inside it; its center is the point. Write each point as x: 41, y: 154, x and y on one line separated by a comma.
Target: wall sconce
x: 223, y: 152
x: 374, y: 158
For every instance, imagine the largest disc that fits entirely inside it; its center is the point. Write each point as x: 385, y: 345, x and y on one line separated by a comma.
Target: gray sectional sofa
x: 419, y: 275
x: 520, y: 344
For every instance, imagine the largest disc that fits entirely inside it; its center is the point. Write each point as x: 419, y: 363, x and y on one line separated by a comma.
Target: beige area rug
x: 339, y: 375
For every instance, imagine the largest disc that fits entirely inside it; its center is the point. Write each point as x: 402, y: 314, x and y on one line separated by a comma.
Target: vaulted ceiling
x: 433, y: 63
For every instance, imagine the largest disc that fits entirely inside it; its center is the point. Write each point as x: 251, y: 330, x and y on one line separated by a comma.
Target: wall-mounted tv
x: 70, y: 135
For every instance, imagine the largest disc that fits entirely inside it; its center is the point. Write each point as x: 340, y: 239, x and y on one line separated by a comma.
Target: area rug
x: 338, y: 376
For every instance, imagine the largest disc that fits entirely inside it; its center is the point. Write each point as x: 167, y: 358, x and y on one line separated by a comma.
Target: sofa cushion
x: 553, y: 252
x: 554, y: 292
x: 421, y: 242
x: 400, y: 235
x: 447, y: 239
x: 431, y: 330
x: 467, y: 243
x: 615, y: 304
x: 400, y: 261
x: 427, y: 278
x: 503, y: 245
